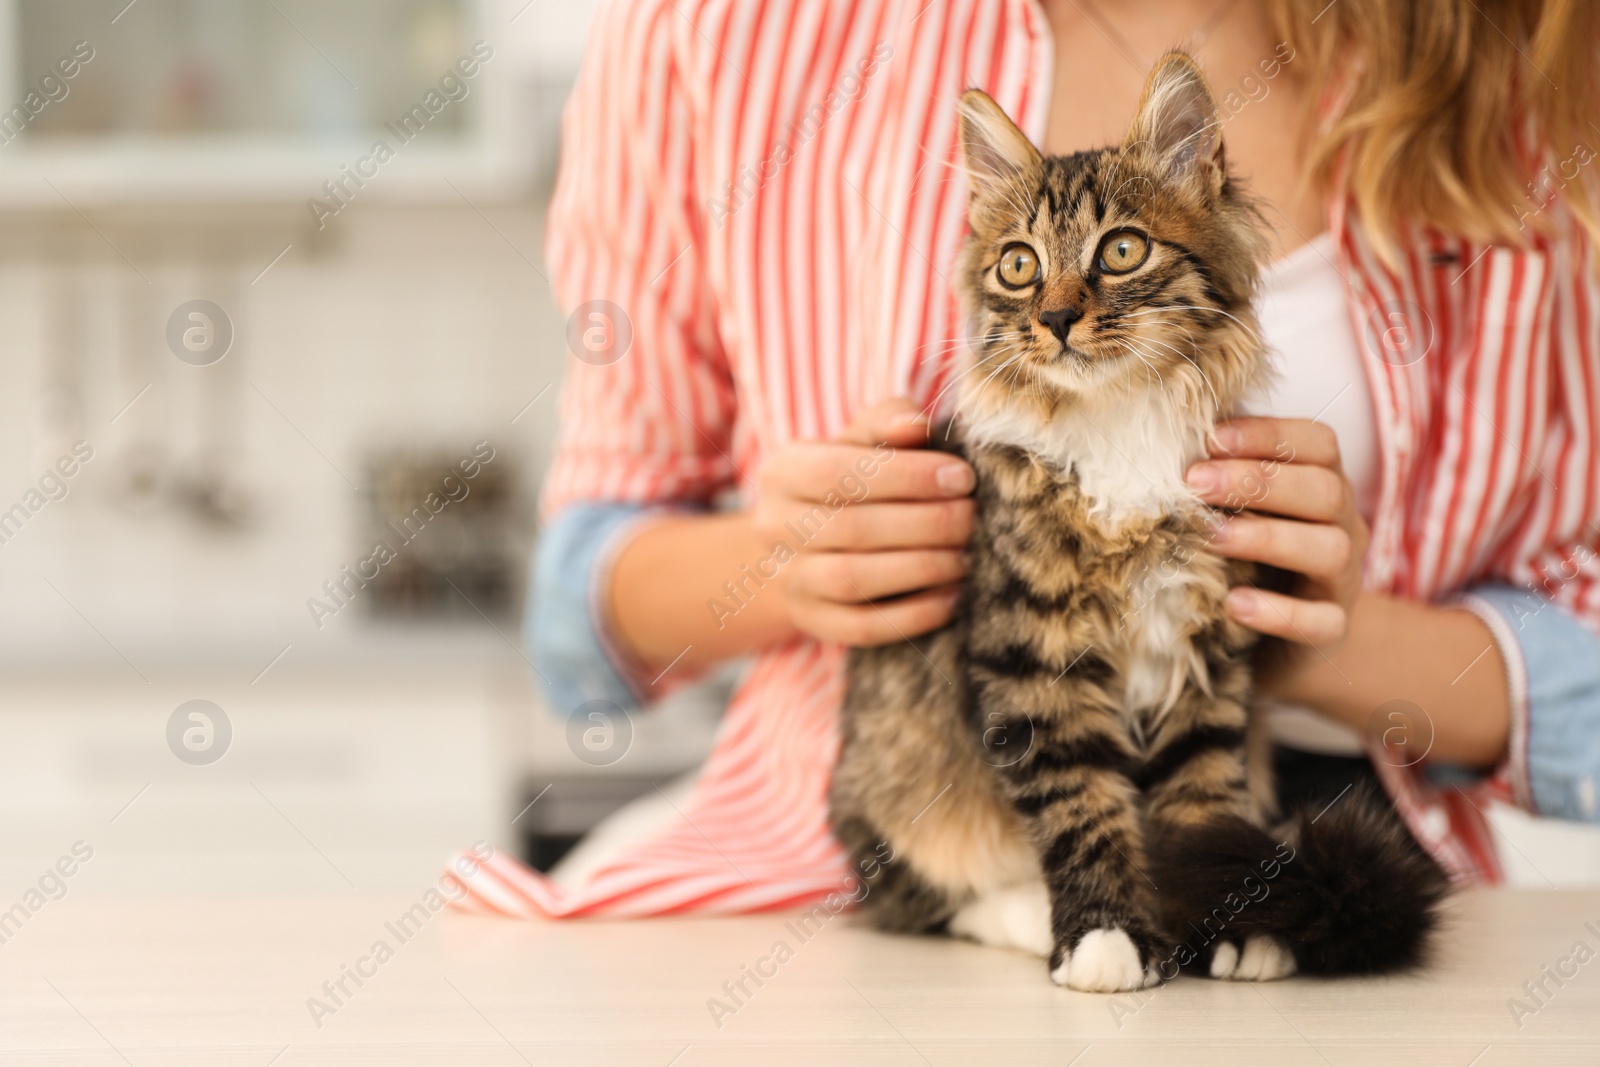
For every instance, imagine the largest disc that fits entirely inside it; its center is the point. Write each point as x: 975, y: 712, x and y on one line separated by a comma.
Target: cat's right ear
x: 1000, y: 159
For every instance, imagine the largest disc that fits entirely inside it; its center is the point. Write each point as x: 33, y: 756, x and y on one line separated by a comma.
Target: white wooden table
x: 226, y: 982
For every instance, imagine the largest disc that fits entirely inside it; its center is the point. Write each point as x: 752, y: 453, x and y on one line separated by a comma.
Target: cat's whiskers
x: 958, y: 345
x: 1010, y: 361
x: 1254, y: 336
x: 972, y: 395
x: 1149, y: 367
x: 929, y: 408
x: 1034, y: 384
x: 1021, y: 354
x: 1127, y: 378
x: 969, y: 344
x: 1198, y: 369
x: 977, y: 365
x: 1023, y: 367
x: 1173, y: 325
x: 1039, y: 386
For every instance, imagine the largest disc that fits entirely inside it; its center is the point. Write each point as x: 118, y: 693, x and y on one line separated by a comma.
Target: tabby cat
x: 1071, y: 766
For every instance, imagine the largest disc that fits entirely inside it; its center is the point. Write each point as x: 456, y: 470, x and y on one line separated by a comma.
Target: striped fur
x: 1086, y: 717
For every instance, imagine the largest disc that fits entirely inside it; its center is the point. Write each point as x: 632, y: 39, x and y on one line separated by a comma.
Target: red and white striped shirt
x: 770, y: 192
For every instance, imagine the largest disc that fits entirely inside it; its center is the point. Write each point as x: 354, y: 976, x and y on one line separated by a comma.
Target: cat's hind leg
x: 1015, y: 917
x: 893, y: 895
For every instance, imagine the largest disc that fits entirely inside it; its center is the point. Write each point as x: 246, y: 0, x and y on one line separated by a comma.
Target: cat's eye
x: 1018, y: 268
x: 1123, y: 251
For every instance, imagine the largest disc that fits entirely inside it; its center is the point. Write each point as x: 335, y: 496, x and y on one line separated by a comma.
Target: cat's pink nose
x: 1060, y: 321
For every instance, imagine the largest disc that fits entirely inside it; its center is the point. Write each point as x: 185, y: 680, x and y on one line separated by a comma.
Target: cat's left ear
x: 1178, y: 120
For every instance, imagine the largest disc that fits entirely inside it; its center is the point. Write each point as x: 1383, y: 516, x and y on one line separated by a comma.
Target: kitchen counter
x: 219, y: 981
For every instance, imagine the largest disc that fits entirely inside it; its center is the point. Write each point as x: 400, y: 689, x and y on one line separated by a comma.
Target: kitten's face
x: 1090, y: 275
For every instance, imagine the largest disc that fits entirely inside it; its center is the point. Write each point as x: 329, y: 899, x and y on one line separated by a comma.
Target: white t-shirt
x: 1318, y: 375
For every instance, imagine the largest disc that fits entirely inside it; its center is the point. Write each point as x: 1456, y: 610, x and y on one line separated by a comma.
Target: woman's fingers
x: 1319, y: 494
x: 829, y: 473
x: 867, y: 526
x: 873, y: 527
x: 1296, y: 512
x: 1285, y: 440
x: 1315, y: 549
x: 1305, y: 622
x: 898, y: 422
x: 877, y: 522
x: 877, y: 623
x: 855, y: 577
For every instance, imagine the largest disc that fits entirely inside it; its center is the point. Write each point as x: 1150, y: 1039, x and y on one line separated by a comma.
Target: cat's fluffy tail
x: 1346, y: 889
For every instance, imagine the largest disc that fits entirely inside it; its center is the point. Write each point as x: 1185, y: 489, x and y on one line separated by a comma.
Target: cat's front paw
x: 1106, y: 960
x: 1264, y: 959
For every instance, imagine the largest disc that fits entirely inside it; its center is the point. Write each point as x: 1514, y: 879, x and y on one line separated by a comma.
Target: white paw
x: 1224, y: 960
x: 1018, y: 917
x: 1263, y: 960
x: 1105, y: 961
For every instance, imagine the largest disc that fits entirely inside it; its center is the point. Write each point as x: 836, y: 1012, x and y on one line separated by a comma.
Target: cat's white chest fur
x: 1160, y: 657
x: 1129, y: 455
x: 1129, y: 451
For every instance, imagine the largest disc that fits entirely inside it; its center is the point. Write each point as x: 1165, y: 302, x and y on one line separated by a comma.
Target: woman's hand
x: 1298, y: 513
x: 877, y: 526
x: 1351, y: 654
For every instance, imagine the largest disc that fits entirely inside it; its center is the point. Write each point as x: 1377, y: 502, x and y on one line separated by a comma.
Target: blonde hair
x: 1468, y: 116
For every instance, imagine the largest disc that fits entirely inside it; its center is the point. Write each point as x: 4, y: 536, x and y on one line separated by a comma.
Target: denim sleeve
x: 1553, y: 663
x: 564, y: 630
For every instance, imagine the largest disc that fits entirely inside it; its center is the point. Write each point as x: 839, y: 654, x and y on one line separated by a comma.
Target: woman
x: 768, y: 194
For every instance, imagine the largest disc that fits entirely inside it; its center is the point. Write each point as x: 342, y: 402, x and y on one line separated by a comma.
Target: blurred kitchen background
x: 346, y: 358
x: 272, y: 347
